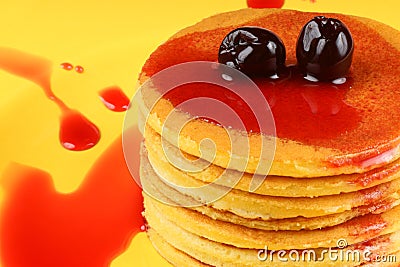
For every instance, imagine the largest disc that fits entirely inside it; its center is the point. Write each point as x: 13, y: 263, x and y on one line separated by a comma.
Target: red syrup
x: 378, y: 174
x: 376, y: 246
x: 374, y: 194
x: 302, y: 110
x: 79, y: 69
x: 268, y: 3
x: 114, y: 99
x: 369, y: 133
x: 66, y: 66
x: 76, y: 131
x: 88, y: 228
x: 367, y: 226
x: 377, y: 207
x: 265, y: 3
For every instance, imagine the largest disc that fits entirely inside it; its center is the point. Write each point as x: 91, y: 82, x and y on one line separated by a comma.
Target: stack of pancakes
x: 338, y: 194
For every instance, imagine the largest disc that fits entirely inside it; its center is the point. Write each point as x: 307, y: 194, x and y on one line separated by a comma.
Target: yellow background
x: 111, y: 39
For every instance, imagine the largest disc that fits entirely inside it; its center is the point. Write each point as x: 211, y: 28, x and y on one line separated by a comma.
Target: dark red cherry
x: 254, y: 51
x: 324, y: 49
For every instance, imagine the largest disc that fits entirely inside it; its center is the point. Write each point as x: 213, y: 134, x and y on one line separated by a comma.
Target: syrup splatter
x: 76, y: 131
x: 86, y: 228
x: 114, y: 99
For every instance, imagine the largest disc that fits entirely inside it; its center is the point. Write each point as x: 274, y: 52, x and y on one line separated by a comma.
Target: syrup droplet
x: 66, y: 66
x: 79, y: 69
x: 76, y: 132
x: 89, y: 227
x: 114, y: 99
x: 265, y: 3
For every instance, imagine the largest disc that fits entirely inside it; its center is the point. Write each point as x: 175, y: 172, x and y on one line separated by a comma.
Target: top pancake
x: 370, y: 141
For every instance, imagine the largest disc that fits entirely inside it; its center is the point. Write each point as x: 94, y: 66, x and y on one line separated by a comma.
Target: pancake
x: 370, y: 142
x: 179, y: 258
x: 184, y: 219
x: 217, y: 254
x: 389, y: 261
x: 272, y: 185
x: 327, y: 165
x: 356, y: 230
x: 250, y: 205
x: 171, y: 254
x: 161, y: 192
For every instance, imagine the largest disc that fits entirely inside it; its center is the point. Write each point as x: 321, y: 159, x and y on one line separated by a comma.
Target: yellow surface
x: 111, y: 39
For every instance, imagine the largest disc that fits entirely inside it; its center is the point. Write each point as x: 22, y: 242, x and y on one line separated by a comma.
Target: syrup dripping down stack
x: 335, y: 175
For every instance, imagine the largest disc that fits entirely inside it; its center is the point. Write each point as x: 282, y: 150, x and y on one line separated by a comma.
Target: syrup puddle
x: 89, y: 227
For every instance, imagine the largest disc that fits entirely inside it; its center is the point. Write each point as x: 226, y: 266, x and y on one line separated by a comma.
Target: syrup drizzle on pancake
x: 343, y: 117
x: 302, y: 110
